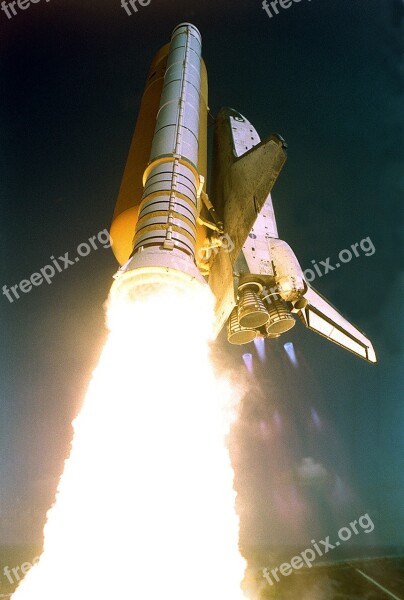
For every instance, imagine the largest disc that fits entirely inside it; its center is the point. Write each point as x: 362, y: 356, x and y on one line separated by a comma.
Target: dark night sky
x: 328, y: 76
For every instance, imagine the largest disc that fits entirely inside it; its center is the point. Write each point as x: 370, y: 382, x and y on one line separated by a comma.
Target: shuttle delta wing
x: 320, y: 316
x: 244, y: 173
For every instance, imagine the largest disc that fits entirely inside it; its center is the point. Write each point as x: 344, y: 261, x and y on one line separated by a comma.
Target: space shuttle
x: 169, y: 222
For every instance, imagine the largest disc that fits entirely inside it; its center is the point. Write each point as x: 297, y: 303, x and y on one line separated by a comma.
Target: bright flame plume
x: 145, y: 506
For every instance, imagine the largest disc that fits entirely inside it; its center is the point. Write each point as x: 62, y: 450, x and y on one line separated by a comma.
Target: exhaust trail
x: 145, y: 507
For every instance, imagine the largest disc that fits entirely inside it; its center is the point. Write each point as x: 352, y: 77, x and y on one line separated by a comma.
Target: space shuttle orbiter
x: 165, y: 222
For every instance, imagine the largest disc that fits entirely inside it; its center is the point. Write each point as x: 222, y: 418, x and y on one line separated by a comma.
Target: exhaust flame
x: 145, y: 506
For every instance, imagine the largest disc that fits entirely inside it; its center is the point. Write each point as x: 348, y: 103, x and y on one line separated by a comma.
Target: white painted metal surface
x: 168, y: 212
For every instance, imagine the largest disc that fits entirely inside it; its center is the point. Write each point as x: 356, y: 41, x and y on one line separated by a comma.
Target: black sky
x: 328, y: 76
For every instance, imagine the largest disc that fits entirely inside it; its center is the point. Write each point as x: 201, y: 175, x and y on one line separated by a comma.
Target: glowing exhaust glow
x: 316, y: 418
x: 248, y: 361
x: 290, y: 351
x: 259, y: 343
x: 145, y: 507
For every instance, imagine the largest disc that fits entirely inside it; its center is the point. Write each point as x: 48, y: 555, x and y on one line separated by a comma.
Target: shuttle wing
x: 320, y: 316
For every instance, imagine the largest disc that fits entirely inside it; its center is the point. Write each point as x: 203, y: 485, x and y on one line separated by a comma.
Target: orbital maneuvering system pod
x: 165, y: 222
